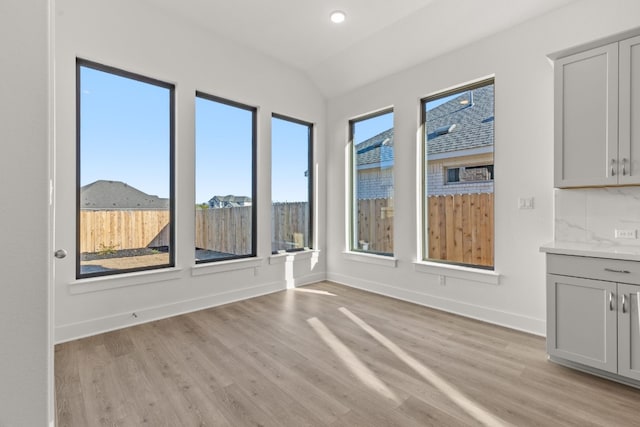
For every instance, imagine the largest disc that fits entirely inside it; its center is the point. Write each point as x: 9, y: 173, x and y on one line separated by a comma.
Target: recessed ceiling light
x: 338, y: 16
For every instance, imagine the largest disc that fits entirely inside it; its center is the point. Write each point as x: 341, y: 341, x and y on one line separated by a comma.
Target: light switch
x: 525, y: 203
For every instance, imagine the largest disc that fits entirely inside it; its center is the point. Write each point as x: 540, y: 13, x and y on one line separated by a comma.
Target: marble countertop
x: 597, y: 250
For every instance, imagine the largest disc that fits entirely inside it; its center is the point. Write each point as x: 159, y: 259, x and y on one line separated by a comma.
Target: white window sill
x: 385, y: 261
x: 224, y: 266
x: 101, y: 283
x: 281, y: 258
x: 458, y: 272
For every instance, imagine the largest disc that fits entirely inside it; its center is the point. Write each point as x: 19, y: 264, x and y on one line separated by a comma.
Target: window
x: 125, y: 196
x: 372, y: 183
x: 291, y: 183
x: 459, y: 175
x: 225, y: 179
x: 467, y: 174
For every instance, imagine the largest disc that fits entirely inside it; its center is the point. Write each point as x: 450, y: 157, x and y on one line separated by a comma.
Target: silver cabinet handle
x: 613, y: 163
x: 610, y: 301
x: 624, y: 303
x: 613, y: 270
x: 624, y: 169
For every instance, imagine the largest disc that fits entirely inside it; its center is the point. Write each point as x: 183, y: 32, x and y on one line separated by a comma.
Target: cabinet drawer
x: 612, y: 270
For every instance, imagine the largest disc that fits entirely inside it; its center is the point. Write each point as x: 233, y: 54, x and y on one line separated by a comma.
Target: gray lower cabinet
x: 629, y: 332
x: 581, y: 323
x: 592, y: 316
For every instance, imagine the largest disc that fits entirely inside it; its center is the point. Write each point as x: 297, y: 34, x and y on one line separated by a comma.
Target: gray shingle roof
x: 474, y: 123
x: 118, y: 195
x: 376, y: 149
x: 473, y: 129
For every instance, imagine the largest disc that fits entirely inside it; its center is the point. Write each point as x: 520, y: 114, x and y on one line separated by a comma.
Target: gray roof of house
x: 376, y: 149
x: 474, y: 122
x: 473, y: 128
x: 118, y: 195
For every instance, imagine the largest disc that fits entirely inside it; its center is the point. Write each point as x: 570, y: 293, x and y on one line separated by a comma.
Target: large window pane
x: 372, y: 184
x: 125, y: 171
x: 291, y: 169
x: 459, y: 176
x: 225, y: 179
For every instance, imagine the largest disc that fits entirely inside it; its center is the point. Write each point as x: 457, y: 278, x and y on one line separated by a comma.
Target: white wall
x: 147, y: 41
x: 24, y: 130
x: 523, y: 162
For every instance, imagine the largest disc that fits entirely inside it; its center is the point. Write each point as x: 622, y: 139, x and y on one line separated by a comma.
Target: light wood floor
x: 326, y: 355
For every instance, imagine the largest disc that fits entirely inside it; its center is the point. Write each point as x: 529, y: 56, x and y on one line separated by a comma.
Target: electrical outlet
x: 443, y: 280
x: 625, y: 234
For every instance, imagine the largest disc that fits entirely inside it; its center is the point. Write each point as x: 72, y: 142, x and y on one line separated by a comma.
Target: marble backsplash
x: 591, y: 215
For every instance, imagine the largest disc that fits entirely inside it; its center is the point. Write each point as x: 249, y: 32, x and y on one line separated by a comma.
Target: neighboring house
x: 117, y: 195
x: 374, y: 166
x: 459, y: 150
x: 460, y: 144
x: 229, y: 201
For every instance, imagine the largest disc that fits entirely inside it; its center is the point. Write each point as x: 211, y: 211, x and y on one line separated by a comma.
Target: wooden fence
x: 289, y: 229
x: 123, y: 229
x: 226, y: 230
x: 460, y: 228
x: 375, y: 225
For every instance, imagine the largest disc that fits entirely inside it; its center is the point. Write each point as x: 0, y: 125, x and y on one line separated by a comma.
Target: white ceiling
x: 378, y: 38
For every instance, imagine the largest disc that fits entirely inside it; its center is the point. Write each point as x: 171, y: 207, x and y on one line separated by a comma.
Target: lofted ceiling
x: 378, y: 38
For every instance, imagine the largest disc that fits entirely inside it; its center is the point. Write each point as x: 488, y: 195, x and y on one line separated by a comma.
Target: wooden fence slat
x: 467, y: 229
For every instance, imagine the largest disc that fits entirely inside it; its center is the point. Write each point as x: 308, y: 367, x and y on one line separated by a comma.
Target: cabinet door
x: 629, y: 331
x: 581, y: 321
x: 629, y: 133
x: 586, y: 118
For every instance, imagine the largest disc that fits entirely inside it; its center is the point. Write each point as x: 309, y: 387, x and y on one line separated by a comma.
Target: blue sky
x: 223, y: 150
x: 365, y: 129
x: 124, y: 132
x: 125, y: 137
x: 290, y: 160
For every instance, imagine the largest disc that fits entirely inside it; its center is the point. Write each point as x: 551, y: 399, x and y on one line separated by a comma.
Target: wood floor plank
x: 69, y: 395
x: 323, y: 355
x: 189, y: 402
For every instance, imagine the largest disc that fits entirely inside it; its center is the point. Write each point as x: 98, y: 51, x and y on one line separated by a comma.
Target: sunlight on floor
x: 315, y: 291
x: 470, y: 407
x: 351, y: 361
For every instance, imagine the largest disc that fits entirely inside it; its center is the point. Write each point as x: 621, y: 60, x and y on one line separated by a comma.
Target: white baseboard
x: 96, y: 326
x: 466, y: 309
x: 309, y: 279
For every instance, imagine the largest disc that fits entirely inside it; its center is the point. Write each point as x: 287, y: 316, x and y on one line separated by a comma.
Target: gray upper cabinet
x: 629, y: 111
x: 597, y: 139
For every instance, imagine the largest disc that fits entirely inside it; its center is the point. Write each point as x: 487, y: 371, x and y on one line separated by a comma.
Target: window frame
x: 473, y: 166
x: 423, y: 192
x: 254, y: 176
x: 310, y: 176
x: 80, y: 63
x: 353, y: 179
